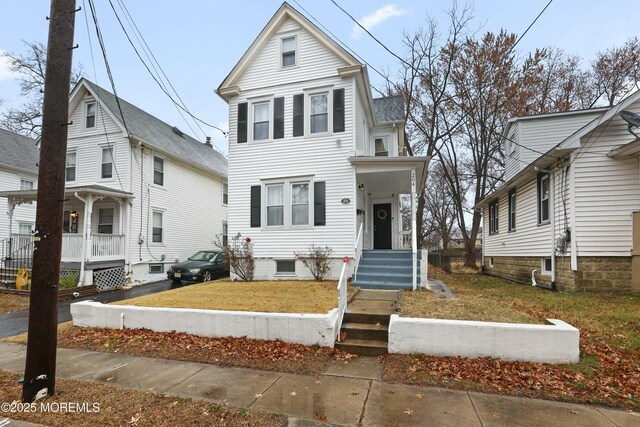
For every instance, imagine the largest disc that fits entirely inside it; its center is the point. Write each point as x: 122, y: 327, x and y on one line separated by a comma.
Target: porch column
x: 86, y: 234
x: 11, y: 205
x: 414, y: 234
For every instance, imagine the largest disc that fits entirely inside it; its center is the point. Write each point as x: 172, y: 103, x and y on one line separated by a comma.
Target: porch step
x: 386, y: 269
x: 366, y: 331
x: 382, y: 286
x: 363, y: 347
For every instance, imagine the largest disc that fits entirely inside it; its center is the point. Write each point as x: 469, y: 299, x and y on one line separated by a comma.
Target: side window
x: 381, y: 146
x: 90, y: 116
x: 70, y: 171
x: 106, y: 170
x: 543, y: 198
x: 158, y: 170
x: 261, y: 121
x: 158, y: 232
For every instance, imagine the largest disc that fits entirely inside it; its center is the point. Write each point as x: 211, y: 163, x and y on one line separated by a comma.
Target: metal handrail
x: 342, y: 296
x: 358, y: 250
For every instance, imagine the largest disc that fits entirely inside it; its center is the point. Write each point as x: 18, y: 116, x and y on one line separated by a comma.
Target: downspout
x: 84, y: 239
x: 552, y: 221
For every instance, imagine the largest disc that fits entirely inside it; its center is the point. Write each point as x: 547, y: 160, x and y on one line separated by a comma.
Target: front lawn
x: 269, y: 296
x: 609, y: 324
x: 9, y: 302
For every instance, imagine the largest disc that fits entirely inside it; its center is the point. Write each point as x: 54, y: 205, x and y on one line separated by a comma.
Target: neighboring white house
x: 18, y: 169
x: 313, y: 158
x: 139, y: 193
x: 570, y: 214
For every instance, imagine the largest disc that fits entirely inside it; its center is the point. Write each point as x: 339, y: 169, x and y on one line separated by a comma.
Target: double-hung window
x: 157, y: 232
x: 493, y: 217
x: 90, y: 116
x: 26, y: 185
x: 105, y: 221
x: 300, y: 203
x: 288, y: 49
x: 70, y: 171
x: 543, y: 198
x: 106, y: 170
x: 225, y: 193
x: 158, y: 170
x: 275, y: 205
x: 319, y: 113
x: 261, y: 121
x: 512, y: 210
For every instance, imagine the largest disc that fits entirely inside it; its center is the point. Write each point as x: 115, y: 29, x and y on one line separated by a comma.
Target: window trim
x: 163, y: 228
x: 494, y: 211
x: 541, y: 177
x: 285, y: 273
x: 101, y: 149
x: 308, y: 93
x: 75, y: 165
x: 86, y: 115
x: 281, y: 52
x: 157, y: 264
x: 386, y: 140
x: 113, y: 219
x: 309, y: 204
x: 512, y: 206
x: 153, y: 170
x: 250, y: 107
x: 33, y: 187
x: 287, y: 184
x: 284, y: 204
x: 543, y: 269
x: 31, y: 224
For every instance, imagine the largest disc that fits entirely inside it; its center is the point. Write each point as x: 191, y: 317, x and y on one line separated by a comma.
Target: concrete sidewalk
x: 348, y: 393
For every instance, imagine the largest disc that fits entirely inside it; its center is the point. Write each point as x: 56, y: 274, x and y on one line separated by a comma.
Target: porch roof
x: 389, y: 174
x: 32, y: 195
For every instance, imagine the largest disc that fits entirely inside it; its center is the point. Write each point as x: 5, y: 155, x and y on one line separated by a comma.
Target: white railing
x: 406, y: 239
x: 358, y: 250
x: 71, y: 247
x: 342, y: 296
x: 20, y: 241
x: 107, y: 245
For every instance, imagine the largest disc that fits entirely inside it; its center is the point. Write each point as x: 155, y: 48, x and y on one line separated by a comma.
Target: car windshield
x: 202, y: 256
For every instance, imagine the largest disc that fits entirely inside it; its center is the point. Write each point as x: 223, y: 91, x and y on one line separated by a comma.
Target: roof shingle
x: 18, y: 151
x: 389, y: 109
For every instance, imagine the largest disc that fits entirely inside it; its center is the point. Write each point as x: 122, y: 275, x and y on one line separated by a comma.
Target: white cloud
x: 5, y: 73
x: 376, y: 17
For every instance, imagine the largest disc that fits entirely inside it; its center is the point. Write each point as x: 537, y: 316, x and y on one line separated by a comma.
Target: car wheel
x: 176, y: 281
x: 206, y: 276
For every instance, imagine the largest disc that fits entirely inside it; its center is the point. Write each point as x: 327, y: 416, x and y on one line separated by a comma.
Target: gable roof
x: 18, y: 152
x: 283, y: 13
x: 156, y: 133
x: 389, y: 109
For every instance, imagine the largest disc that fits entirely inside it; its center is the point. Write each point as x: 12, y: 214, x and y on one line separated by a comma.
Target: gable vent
x: 178, y: 132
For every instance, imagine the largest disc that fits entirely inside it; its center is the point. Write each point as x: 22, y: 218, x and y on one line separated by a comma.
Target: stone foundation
x: 594, y: 274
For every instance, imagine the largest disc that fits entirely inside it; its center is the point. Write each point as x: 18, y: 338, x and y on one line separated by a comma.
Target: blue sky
x: 197, y: 42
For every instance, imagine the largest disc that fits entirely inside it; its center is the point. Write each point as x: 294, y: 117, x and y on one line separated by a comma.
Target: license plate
x: 177, y: 274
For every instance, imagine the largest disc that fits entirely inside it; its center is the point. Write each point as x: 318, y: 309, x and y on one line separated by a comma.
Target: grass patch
x: 120, y: 407
x: 10, y: 302
x: 268, y: 296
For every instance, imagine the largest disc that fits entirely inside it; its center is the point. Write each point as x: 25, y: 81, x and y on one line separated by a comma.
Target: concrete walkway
x: 348, y: 393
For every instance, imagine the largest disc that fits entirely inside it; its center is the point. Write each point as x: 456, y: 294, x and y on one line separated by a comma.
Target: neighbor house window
x: 275, y: 204
x: 156, y: 268
x: 261, y: 121
x: 493, y: 217
x: 157, y: 236
x: 288, y: 49
x: 512, y: 210
x: 319, y: 113
x: 90, y: 117
x: 225, y: 193
x: 546, y: 266
x: 300, y: 204
x: 106, y: 170
x: 381, y: 146
x: 70, y: 171
x: 105, y: 221
x: 286, y: 267
x: 225, y: 233
x: 158, y: 170
x: 543, y: 198
x: 25, y: 228
x: 26, y: 185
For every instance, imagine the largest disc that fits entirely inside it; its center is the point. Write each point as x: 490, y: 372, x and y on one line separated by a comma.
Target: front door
x: 382, y: 226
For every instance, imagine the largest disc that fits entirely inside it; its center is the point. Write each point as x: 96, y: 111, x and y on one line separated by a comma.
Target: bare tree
x: 441, y: 214
x: 27, y: 119
x: 617, y: 70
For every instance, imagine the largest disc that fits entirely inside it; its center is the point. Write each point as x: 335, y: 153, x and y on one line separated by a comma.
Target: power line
x: 156, y: 79
x: 530, y: 25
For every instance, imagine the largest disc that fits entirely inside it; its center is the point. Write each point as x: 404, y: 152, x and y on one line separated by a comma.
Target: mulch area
x: 120, y: 407
x: 11, y: 302
x: 240, y: 352
x: 605, y: 375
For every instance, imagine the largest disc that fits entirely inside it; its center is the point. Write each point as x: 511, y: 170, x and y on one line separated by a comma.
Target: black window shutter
x: 255, y: 205
x: 319, y: 204
x: 338, y: 110
x: 298, y: 115
x: 242, y: 122
x: 278, y: 118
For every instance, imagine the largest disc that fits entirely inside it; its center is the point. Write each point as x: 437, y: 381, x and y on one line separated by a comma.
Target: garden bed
x: 11, y: 302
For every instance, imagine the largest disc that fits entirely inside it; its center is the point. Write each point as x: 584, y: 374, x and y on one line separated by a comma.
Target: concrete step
x: 377, y: 295
x: 381, y: 268
x: 363, y: 347
x: 366, y: 331
x: 371, y: 319
x: 382, y: 286
x: 400, y: 278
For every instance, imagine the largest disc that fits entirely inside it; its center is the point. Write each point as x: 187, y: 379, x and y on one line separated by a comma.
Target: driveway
x: 17, y: 322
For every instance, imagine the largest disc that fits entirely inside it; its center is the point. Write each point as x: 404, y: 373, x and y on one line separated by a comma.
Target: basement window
x: 156, y: 268
x: 491, y: 261
x: 286, y: 267
x: 546, y: 265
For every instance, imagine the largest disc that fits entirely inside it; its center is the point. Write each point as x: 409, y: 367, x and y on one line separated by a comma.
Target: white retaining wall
x: 557, y: 342
x: 308, y: 329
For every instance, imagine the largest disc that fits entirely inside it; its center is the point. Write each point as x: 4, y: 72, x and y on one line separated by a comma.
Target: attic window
x: 90, y: 117
x: 178, y: 132
x: 288, y: 49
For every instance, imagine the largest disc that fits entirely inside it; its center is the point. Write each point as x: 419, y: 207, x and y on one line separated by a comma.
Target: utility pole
x: 40, y: 370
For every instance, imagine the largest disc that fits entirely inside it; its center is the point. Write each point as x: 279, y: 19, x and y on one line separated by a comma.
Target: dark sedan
x: 200, y: 267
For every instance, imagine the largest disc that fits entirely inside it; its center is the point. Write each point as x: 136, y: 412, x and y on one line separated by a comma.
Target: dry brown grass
x: 9, y: 302
x: 22, y: 338
x: 269, y: 296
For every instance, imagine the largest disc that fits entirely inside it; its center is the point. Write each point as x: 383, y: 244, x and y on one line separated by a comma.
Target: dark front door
x: 382, y: 226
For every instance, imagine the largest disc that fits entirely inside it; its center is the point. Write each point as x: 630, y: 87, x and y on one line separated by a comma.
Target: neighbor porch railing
x: 71, y: 247
x: 107, y: 245
x: 342, y: 296
x: 406, y: 239
x: 358, y: 250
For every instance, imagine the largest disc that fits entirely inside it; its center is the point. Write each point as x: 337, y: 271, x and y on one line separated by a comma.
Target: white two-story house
x: 314, y: 159
x: 567, y: 216
x: 139, y: 194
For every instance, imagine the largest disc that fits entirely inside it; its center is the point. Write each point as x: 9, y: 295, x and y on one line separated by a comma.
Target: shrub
x: 239, y: 254
x: 316, y: 260
x: 67, y: 280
